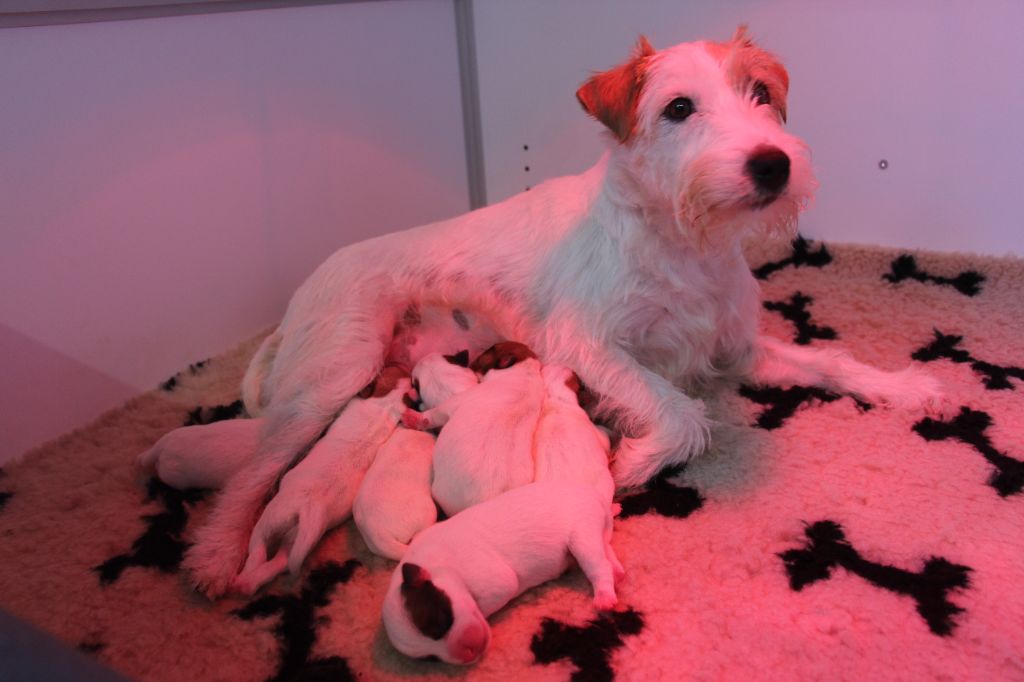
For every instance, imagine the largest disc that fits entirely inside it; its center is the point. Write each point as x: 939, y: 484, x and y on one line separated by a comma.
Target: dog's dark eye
x: 679, y: 109
x: 761, y: 94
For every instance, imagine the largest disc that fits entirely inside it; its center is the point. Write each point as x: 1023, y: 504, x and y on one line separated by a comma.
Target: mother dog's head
x: 698, y: 134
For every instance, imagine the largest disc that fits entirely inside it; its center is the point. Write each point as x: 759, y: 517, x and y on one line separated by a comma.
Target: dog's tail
x: 311, y: 527
x: 259, y: 367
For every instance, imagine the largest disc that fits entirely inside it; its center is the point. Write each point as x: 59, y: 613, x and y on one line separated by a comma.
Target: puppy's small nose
x: 768, y: 167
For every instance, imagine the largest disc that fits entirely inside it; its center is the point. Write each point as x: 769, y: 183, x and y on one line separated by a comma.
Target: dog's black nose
x: 768, y: 167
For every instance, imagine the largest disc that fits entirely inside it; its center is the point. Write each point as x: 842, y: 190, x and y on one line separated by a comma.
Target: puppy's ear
x: 429, y: 608
x: 611, y: 96
x: 461, y: 358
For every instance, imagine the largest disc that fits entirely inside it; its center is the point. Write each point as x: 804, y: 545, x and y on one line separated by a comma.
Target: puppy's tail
x: 311, y: 527
x: 259, y: 367
x: 147, y: 460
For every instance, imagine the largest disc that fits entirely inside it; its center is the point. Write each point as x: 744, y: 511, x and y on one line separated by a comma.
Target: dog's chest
x: 678, y: 328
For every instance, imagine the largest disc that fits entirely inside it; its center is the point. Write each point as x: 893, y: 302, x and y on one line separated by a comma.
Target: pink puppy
x: 459, y: 571
x: 318, y: 493
x: 394, y: 503
x: 203, y: 456
x: 568, y: 446
x: 438, y: 377
x: 486, y: 443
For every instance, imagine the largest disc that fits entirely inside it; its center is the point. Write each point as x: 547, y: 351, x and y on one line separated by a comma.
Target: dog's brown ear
x: 461, y: 358
x: 611, y: 96
x: 748, y: 64
x: 387, y: 380
x: 429, y: 608
x: 367, y: 391
x: 584, y: 396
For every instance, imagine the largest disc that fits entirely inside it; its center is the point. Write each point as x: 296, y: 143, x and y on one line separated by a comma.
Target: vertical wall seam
x: 469, y: 87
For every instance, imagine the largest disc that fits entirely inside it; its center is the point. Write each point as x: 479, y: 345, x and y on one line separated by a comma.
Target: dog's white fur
x: 486, y: 441
x: 202, y: 456
x: 568, y: 446
x: 631, y: 274
x: 394, y: 503
x: 485, y: 556
x: 437, y: 379
x: 318, y: 493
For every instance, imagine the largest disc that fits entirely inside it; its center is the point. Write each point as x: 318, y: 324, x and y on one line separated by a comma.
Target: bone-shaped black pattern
x: 297, y: 626
x: 802, y: 257
x: 905, y: 267
x: 783, y: 403
x: 997, y: 377
x: 161, y: 545
x: 589, y: 647
x: 4, y: 496
x: 795, y: 310
x: 663, y: 497
x: 193, y: 369
x: 216, y: 413
x: 827, y: 548
x: 969, y: 427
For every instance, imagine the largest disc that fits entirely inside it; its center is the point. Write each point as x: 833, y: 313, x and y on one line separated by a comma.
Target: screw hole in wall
x: 883, y: 164
x: 526, y: 169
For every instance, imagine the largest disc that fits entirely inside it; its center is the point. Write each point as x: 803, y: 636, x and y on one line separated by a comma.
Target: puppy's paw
x: 605, y: 600
x: 414, y: 420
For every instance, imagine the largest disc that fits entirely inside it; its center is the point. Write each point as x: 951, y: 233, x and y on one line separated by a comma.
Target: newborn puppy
x: 318, y: 493
x: 486, y: 445
x: 568, y: 446
x: 203, y: 456
x: 394, y: 503
x: 438, y: 377
x: 459, y: 571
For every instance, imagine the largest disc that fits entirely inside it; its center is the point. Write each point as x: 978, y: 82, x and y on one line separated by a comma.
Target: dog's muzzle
x: 768, y: 168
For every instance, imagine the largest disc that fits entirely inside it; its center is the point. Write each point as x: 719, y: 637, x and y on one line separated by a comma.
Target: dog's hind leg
x: 329, y: 363
x: 253, y: 391
x: 786, y: 364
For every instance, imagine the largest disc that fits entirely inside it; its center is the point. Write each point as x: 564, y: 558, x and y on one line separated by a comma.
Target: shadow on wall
x: 49, y: 394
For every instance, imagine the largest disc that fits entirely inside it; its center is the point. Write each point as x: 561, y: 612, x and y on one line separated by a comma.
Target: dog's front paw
x: 637, y: 460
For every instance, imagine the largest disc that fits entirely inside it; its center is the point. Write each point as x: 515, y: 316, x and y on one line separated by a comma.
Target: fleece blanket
x: 818, y: 538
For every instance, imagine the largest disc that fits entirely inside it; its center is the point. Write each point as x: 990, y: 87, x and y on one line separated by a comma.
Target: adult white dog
x: 630, y: 274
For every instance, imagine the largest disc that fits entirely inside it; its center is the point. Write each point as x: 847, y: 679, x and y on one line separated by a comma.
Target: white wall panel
x: 166, y: 184
x: 931, y: 87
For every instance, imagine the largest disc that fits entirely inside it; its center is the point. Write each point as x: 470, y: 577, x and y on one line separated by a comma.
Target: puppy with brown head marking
x: 438, y: 377
x: 459, y: 571
x: 319, y: 492
x: 486, y: 443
